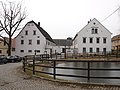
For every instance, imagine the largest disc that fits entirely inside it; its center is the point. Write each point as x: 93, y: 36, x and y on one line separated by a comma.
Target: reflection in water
x: 96, y: 65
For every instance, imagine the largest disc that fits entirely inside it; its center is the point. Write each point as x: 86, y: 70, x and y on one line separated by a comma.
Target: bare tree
x: 11, y: 16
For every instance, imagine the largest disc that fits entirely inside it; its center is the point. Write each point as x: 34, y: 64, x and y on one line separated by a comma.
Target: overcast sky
x: 64, y: 18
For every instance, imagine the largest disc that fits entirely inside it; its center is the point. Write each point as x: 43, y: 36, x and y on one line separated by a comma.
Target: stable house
x: 33, y: 38
x: 93, y: 38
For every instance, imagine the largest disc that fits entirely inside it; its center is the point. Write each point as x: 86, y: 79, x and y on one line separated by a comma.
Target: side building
x: 3, y: 47
x: 116, y: 42
x: 33, y: 38
x: 93, y: 38
x: 63, y: 45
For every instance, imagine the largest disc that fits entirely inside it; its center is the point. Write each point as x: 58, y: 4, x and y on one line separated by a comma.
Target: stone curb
x: 76, y: 83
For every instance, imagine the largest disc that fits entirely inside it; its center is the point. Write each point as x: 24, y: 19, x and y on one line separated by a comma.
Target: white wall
x: 86, y: 32
x: 34, y: 39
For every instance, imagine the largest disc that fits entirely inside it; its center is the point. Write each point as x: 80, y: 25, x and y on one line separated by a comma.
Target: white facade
x: 94, y: 37
x: 31, y: 39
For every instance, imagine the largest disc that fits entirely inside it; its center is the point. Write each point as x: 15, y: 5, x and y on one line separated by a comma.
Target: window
x: 26, y: 32
x: 22, y: 36
x: 94, y: 30
x: 38, y: 42
x: 34, y: 32
x: 91, y: 50
x: 13, y: 49
x: 91, y: 40
x: 84, y: 40
x: 97, y: 50
x: 97, y: 40
x: 22, y: 41
x: 104, y: 50
x: 63, y: 50
x: 48, y: 43
x: 104, y: 40
x: 29, y: 51
x: 38, y: 36
x: 84, y: 50
x: 38, y: 51
x: 30, y: 42
x: 4, y: 43
x: 21, y: 50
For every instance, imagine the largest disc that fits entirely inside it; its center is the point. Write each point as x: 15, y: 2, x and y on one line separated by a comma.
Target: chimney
x: 38, y: 23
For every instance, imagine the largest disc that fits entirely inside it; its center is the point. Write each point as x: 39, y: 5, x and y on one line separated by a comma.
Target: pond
x: 95, y: 65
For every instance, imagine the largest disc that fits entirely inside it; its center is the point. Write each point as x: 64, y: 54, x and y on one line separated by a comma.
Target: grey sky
x: 64, y: 18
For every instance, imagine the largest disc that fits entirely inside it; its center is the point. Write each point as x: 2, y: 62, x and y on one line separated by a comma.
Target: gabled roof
x: 45, y: 34
x: 91, y: 21
x: 63, y: 42
x: 98, y: 23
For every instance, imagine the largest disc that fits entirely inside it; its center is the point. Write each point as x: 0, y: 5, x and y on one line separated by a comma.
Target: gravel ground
x: 11, y: 79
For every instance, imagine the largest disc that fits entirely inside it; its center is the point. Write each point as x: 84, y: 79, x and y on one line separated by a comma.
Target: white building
x: 94, y: 37
x: 33, y: 37
x: 63, y: 45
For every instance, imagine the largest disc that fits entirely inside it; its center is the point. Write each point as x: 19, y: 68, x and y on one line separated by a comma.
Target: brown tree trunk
x: 9, y: 46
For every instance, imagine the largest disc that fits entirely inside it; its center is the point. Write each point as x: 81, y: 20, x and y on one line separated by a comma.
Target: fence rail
x: 52, y: 64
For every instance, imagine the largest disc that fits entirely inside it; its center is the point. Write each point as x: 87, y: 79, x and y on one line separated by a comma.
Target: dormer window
x: 94, y: 30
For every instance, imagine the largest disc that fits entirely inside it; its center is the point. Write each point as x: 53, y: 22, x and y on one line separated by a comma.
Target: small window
x: 34, y: 32
x: 94, y: 30
x: 91, y: 40
x: 21, y: 50
x: 104, y: 50
x: 38, y: 36
x: 26, y: 32
x: 22, y: 42
x: 84, y: 50
x: 29, y: 51
x: 13, y: 49
x: 38, y: 42
x: 91, y: 50
x: 4, y: 43
x: 30, y: 42
x: 97, y: 50
x: 84, y: 40
x: 22, y: 36
x: 38, y: 51
x: 104, y: 40
x: 48, y: 43
x: 97, y: 40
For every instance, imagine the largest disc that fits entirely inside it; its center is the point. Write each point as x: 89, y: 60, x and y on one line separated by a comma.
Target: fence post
x: 34, y: 63
x: 54, y: 69
x: 88, y: 71
x: 24, y: 64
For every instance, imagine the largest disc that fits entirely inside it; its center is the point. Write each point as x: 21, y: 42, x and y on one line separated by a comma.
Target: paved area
x: 11, y: 79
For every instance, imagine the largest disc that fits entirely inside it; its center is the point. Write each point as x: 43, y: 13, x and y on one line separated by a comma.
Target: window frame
x: 84, y: 39
x: 26, y: 32
x: 91, y: 50
x: 38, y: 42
x: 91, y: 40
x: 97, y: 40
x: 34, y: 32
x: 30, y: 42
x: 22, y: 42
x: 104, y: 40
